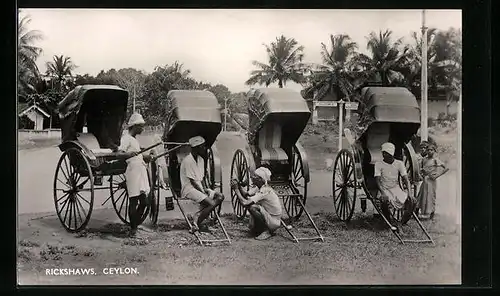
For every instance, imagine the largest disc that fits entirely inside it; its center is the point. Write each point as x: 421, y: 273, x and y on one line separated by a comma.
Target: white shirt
x: 267, y: 198
x: 389, y: 173
x: 130, y: 144
x: 191, y: 169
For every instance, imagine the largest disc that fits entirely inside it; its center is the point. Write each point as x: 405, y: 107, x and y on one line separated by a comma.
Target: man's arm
x: 434, y: 176
x: 379, y: 185
x: 197, y: 186
x: 241, y: 197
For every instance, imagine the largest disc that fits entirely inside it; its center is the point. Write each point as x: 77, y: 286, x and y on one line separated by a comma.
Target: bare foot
x: 263, y: 236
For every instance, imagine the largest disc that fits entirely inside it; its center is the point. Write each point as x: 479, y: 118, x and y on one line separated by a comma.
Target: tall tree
x: 284, y: 64
x: 387, y: 58
x: 61, y: 69
x: 27, y: 55
x: 133, y: 81
x: 338, y: 74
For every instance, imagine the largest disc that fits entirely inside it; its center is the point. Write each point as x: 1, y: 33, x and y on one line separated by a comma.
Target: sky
x: 218, y: 46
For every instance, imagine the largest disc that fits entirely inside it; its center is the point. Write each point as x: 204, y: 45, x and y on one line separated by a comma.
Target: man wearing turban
x: 192, y: 173
x: 387, y: 172
x: 262, y: 203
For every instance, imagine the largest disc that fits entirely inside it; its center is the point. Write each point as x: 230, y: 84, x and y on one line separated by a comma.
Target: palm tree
x: 60, y: 68
x: 412, y: 68
x: 338, y: 73
x: 284, y: 64
x: 387, y: 60
x: 27, y: 53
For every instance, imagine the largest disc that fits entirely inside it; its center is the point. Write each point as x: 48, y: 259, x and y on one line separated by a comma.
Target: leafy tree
x: 27, y: 55
x: 338, y: 73
x: 387, y: 59
x: 284, y: 64
x: 61, y: 69
x: 133, y: 81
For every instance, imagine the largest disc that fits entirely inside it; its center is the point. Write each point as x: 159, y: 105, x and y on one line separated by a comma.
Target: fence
x: 39, y: 134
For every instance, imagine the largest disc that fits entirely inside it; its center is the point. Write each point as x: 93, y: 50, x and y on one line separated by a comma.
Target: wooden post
x: 341, y: 122
x: 423, y: 105
x: 315, y: 114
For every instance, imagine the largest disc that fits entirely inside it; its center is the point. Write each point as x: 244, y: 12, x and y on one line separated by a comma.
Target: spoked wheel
x: 121, y: 200
x: 239, y: 171
x: 344, y: 185
x: 299, y: 186
x: 154, y: 196
x: 210, y: 179
x: 73, y: 190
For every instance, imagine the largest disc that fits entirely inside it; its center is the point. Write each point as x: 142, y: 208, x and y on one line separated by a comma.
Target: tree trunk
x: 280, y: 83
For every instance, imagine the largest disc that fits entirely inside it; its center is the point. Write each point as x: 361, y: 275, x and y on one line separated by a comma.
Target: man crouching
x: 262, y: 203
x: 192, y: 172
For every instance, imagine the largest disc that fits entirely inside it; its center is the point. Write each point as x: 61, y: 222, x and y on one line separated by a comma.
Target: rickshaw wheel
x: 344, y: 185
x: 154, y: 197
x: 210, y: 179
x: 69, y: 189
x: 397, y: 214
x: 120, y: 198
x: 239, y: 171
x: 299, y: 186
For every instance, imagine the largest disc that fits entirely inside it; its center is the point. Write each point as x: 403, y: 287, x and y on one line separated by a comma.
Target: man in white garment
x: 192, y: 172
x: 136, y: 175
x: 387, y: 172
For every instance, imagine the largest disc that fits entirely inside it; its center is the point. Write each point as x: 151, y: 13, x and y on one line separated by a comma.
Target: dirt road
x: 362, y: 252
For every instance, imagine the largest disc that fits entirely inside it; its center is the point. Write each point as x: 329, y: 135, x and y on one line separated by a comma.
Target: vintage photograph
x: 239, y: 147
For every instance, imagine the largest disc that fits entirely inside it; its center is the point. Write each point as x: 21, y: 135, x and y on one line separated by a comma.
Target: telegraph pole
x: 423, y: 98
x: 225, y: 113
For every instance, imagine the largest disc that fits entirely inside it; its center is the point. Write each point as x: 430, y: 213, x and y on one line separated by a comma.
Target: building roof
x: 37, y: 108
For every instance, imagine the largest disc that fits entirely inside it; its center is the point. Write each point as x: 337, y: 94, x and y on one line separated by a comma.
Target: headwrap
x: 389, y: 148
x: 264, y: 173
x: 196, y: 141
x: 135, y: 119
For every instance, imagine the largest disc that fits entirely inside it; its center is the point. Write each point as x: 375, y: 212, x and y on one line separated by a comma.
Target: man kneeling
x: 192, y: 172
x: 262, y: 203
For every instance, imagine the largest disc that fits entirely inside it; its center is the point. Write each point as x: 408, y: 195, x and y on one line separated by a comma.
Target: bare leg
x: 259, y: 222
x: 132, y: 213
x: 209, y: 205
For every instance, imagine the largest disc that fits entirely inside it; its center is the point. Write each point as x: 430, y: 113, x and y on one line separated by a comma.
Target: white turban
x: 136, y: 118
x: 196, y: 141
x: 389, y: 148
x: 264, y: 173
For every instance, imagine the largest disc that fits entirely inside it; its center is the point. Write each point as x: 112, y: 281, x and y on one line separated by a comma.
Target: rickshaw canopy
x: 102, y: 107
x: 394, y: 105
x: 277, y: 105
x: 192, y: 113
x: 391, y: 104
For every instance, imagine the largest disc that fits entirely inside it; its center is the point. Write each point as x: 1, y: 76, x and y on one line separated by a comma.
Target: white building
x: 35, y: 114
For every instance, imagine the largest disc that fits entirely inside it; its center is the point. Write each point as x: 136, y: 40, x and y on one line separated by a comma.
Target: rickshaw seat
x: 270, y: 142
x: 378, y: 135
x: 91, y: 143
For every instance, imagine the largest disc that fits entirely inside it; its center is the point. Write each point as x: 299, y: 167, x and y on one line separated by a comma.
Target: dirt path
x: 361, y: 252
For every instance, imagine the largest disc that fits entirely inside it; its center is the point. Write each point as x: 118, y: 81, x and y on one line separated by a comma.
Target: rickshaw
x: 277, y: 117
x: 390, y: 114
x: 87, y: 157
x: 190, y: 113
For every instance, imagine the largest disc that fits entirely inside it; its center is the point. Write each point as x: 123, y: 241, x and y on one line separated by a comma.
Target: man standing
x: 192, y: 172
x: 263, y: 204
x: 387, y: 172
